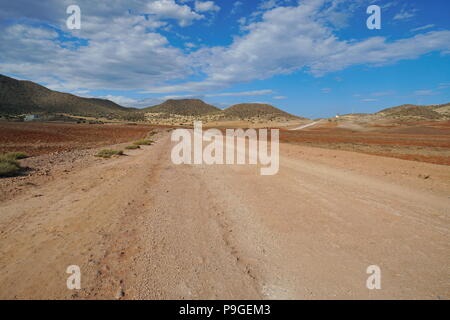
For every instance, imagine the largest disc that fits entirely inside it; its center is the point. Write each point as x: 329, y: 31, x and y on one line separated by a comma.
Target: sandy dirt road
x: 141, y: 227
x: 306, y: 126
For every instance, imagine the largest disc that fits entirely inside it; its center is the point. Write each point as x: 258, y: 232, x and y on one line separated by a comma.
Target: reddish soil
x: 419, y: 141
x: 45, y: 138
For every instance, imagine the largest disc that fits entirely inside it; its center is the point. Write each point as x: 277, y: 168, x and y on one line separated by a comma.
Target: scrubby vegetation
x: 256, y: 111
x: 186, y: 107
x: 143, y: 142
x: 8, y: 166
x: 16, y: 155
x: 132, y: 147
x: 108, y: 153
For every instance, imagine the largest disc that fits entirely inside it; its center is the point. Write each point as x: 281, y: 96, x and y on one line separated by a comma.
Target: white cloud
x: 204, y: 6
x: 236, y: 6
x: 268, y: 4
x: 279, y: 97
x: 383, y: 93
x: 169, y: 9
x: 241, y: 94
x: 375, y: 94
x: 388, y: 5
x: 369, y: 100
x: 279, y: 44
x: 120, y: 55
x: 428, y: 26
x: 126, y: 51
x: 424, y: 93
x: 242, y: 21
x: 123, y: 101
x: 404, y: 15
x: 325, y: 90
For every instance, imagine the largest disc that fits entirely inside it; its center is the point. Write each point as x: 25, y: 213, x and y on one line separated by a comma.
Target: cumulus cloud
x: 54, y: 11
x: 169, y: 9
x: 116, y: 57
x: 120, y: 47
x: 204, y: 6
x: 278, y: 44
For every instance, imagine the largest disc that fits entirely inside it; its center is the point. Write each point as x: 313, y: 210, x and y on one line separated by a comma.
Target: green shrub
x: 8, y: 166
x: 108, y: 153
x: 15, y: 155
x: 143, y: 142
x: 132, y: 147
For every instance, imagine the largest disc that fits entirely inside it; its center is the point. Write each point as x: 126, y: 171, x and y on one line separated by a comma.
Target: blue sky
x: 313, y: 58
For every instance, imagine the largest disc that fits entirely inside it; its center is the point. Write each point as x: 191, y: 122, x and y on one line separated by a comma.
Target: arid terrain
x: 427, y: 141
x: 42, y: 138
x: 141, y: 227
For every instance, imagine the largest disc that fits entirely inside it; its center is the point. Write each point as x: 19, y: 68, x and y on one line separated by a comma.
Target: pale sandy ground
x: 140, y: 227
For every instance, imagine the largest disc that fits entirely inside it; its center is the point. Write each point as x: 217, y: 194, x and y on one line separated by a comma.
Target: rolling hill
x: 19, y: 97
x: 411, y: 111
x: 256, y: 110
x: 185, y: 111
x: 183, y: 107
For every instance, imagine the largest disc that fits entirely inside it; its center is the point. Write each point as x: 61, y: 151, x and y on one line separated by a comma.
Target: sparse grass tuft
x: 15, y: 155
x: 8, y: 166
x: 143, y: 142
x: 132, y: 147
x: 108, y: 153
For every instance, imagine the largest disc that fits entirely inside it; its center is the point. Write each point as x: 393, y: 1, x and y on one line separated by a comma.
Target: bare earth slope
x: 141, y: 227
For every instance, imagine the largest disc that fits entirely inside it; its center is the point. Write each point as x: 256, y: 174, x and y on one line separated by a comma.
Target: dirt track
x: 140, y: 227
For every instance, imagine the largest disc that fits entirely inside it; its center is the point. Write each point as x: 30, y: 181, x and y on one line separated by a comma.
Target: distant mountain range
x: 21, y: 97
